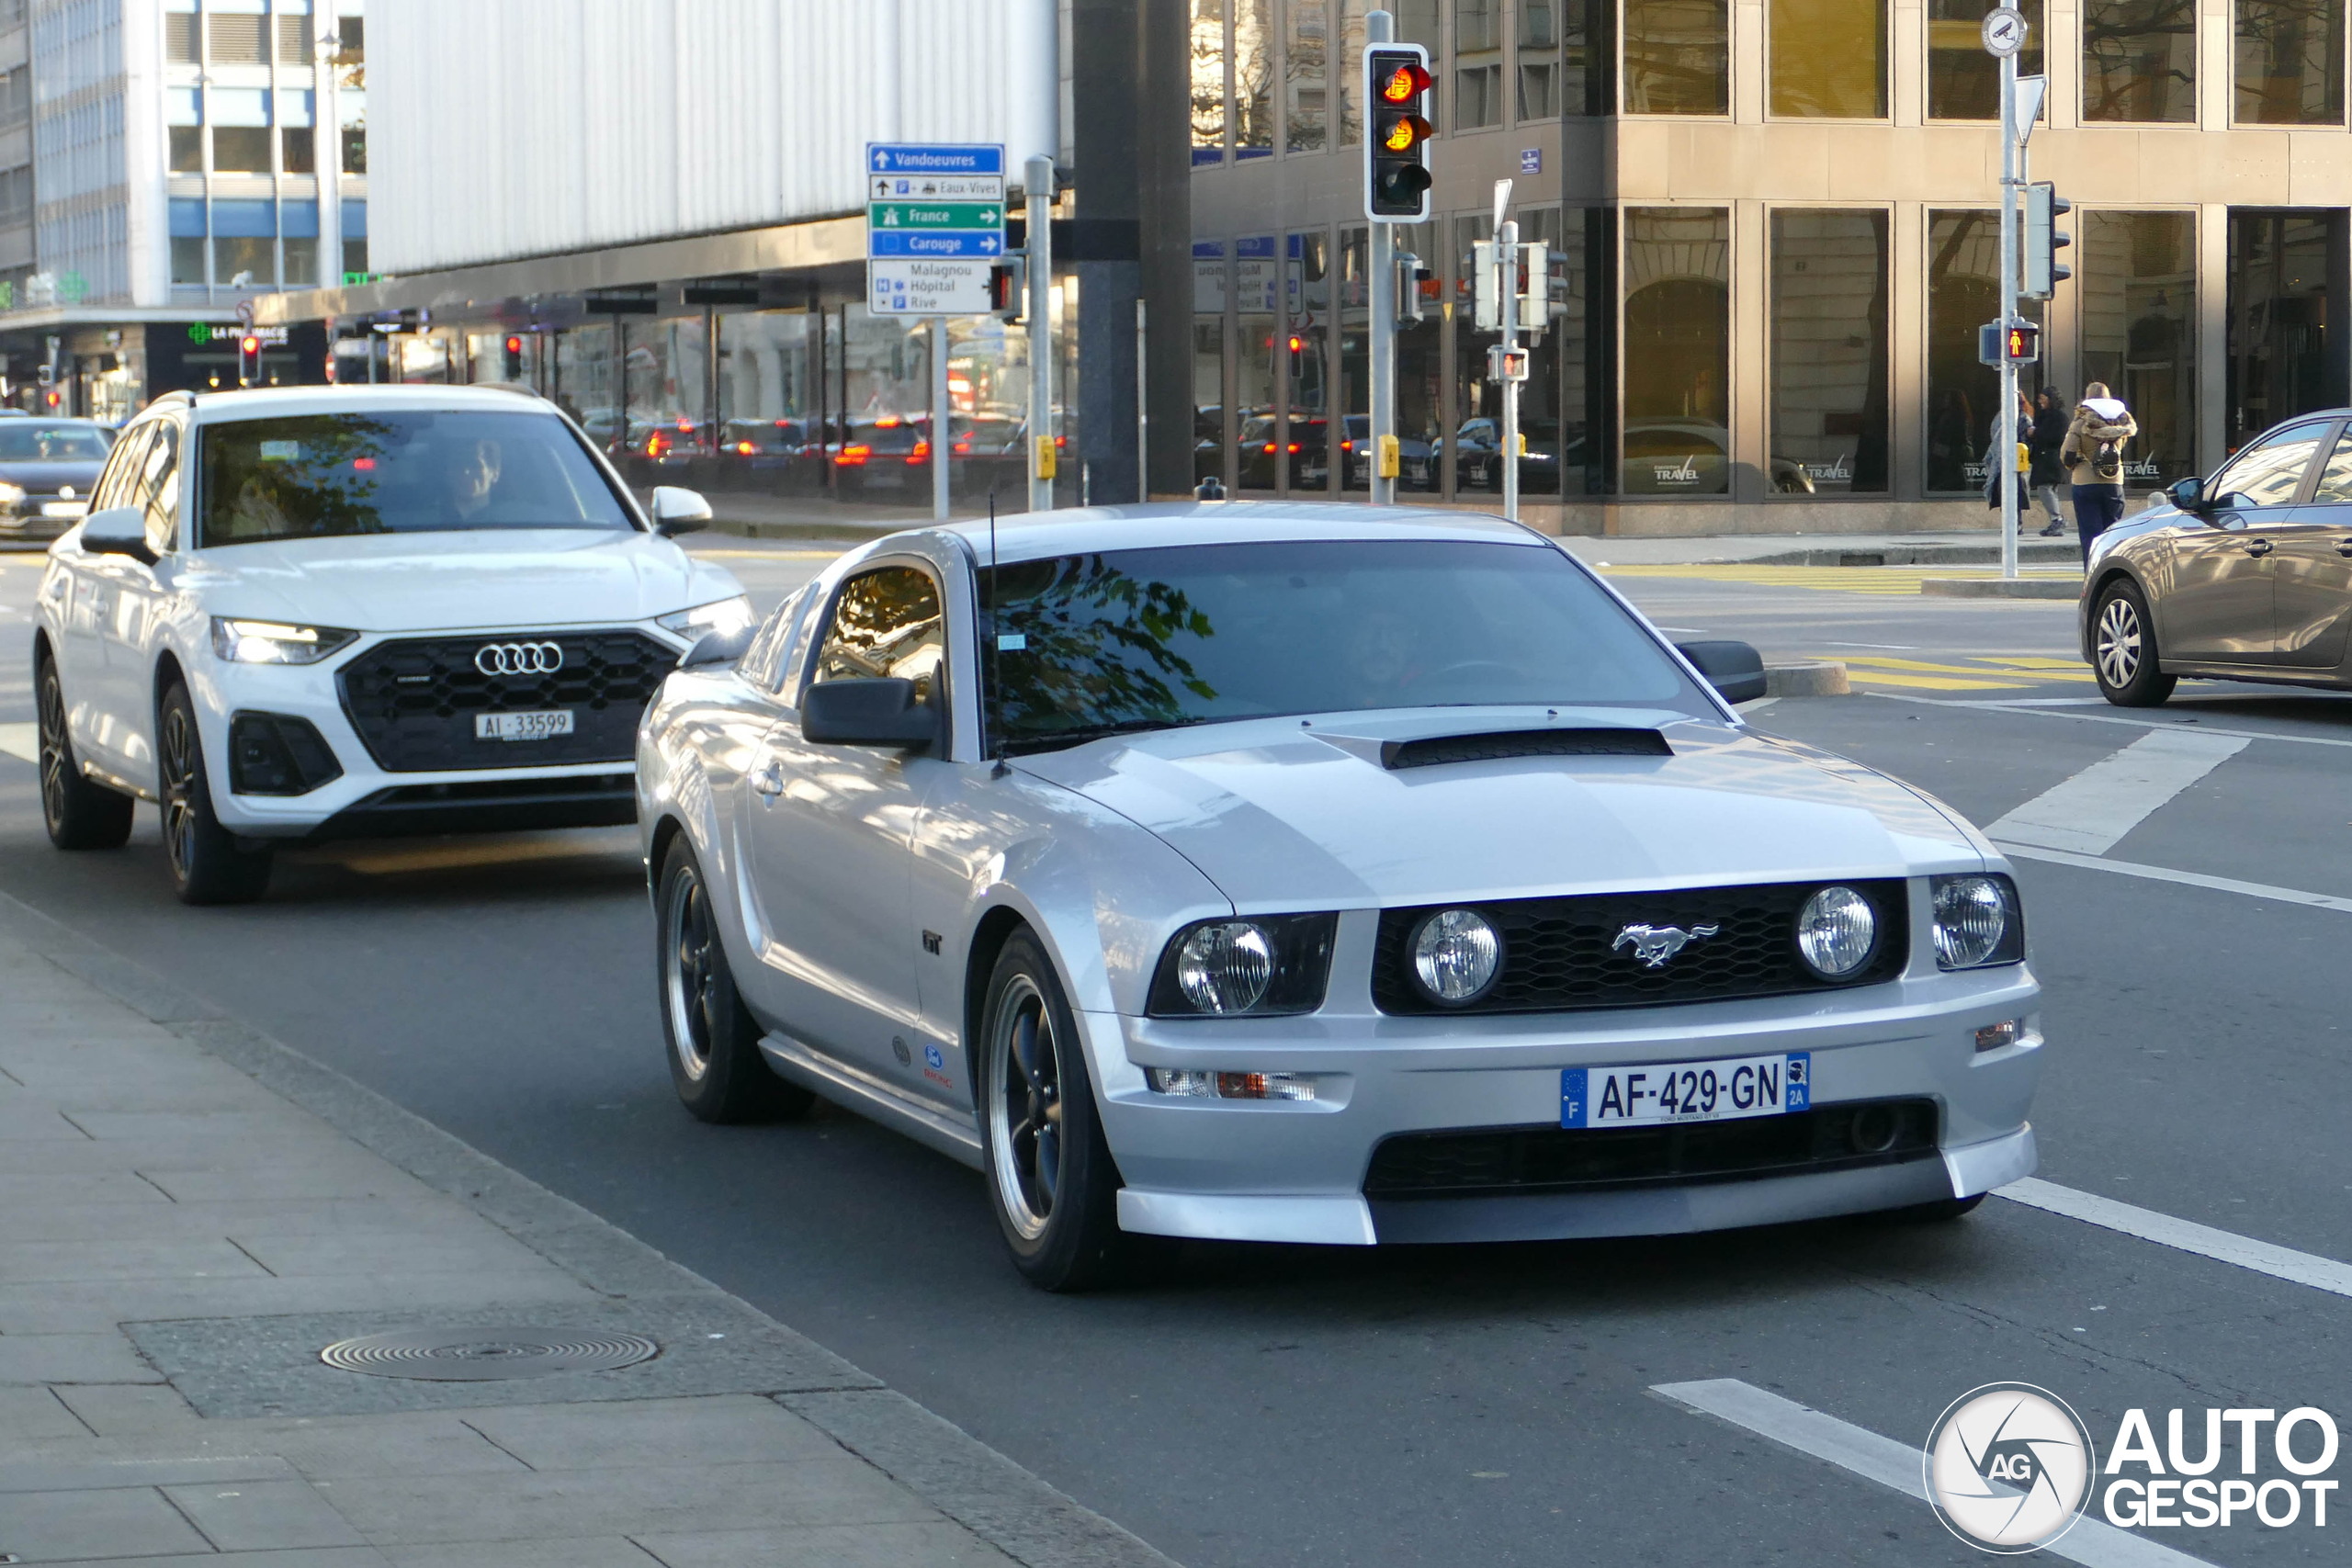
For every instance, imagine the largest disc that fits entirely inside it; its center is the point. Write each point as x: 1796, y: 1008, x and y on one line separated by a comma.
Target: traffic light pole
x: 2006, y: 456
x: 1039, y: 174
x: 1379, y: 26
x: 1507, y: 317
x: 942, y: 421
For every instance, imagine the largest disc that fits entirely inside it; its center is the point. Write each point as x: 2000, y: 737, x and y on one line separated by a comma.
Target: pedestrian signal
x: 2023, y: 343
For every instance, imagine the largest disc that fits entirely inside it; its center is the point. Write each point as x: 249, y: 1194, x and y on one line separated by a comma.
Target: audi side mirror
x: 881, y: 711
x: 1734, y: 668
x: 2188, y: 494
x: 118, y: 531
x: 679, y: 511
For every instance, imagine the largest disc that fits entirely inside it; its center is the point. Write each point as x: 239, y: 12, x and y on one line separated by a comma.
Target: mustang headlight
x: 273, y: 642
x: 722, y: 615
x: 1258, y: 965
x: 1836, y: 932
x: 1455, y: 956
x: 1978, y: 921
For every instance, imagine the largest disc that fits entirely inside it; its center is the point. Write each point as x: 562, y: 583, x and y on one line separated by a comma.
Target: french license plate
x: 1686, y: 1091
x: 537, y: 725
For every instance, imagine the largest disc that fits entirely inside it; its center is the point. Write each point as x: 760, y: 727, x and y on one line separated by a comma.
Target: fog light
x: 1992, y: 1036
x: 1181, y: 1081
x: 1265, y: 1085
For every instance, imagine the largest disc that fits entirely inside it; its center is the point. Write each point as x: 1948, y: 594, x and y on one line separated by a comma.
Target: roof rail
x: 178, y: 396
x: 512, y: 388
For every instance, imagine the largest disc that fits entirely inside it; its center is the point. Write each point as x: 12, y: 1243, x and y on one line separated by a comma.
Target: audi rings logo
x: 518, y: 658
x: 2009, y: 1467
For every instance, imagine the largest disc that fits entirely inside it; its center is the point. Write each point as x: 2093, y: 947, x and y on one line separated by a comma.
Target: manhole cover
x: 484, y: 1355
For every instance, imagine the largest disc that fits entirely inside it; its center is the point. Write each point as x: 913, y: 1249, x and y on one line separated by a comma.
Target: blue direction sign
x: 935, y: 243
x: 933, y: 158
x: 934, y: 226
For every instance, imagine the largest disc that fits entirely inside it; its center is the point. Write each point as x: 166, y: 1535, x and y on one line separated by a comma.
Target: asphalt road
x: 1268, y: 1406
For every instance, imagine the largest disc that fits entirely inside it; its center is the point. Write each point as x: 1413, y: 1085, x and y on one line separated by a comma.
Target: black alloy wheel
x: 714, y: 1061
x: 2123, y: 649
x: 210, y: 864
x: 79, y: 814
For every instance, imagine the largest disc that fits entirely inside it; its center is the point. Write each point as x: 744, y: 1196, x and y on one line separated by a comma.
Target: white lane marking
x: 2090, y: 812
x: 21, y: 740
x: 2164, y: 723
x: 2185, y: 878
x: 1896, y: 1466
x: 1755, y: 705
x: 2184, y: 1235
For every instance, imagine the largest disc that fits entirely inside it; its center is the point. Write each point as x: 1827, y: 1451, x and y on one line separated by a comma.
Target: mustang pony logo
x: 1655, y: 945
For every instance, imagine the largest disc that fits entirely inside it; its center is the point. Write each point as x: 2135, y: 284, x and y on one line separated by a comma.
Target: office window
x: 1208, y: 82
x: 2290, y: 61
x: 1307, y: 74
x: 1829, y: 59
x: 2139, y: 61
x: 253, y: 260
x: 187, y: 259
x: 1964, y: 82
x: 1477, y: 63
x: 1678, y: 351
x: 1829, y: 372
x: 179, y: 42
x: 1253, y: 79
x: 354, y: 149
x: 295, y: 148
x: 2137, y: 297
x: 16, y: 94
x: 240, y: 149
x: 1351, y: 63
x: 352, y: 31
x: 301, y: 262
x: 293, y: 38
x: 237, y: 39
x: 354, y: 257
x: 1677, y: 56
x: 1563, y: 57
x: 16, y: 193
x: 1418, y: 22
x: 187, y: 149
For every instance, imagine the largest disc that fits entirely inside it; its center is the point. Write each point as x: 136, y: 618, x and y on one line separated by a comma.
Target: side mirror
x: 1734, y: 668
x: 2188, y: 494
x: 677, y: 510
x: 876, y: 711
x: 118, y: 531
x: 720, y: 648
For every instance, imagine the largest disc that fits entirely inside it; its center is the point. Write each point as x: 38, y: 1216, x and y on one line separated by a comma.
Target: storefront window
x: 1258, y: 284
x: 1208, y: 81
x: 1209, y: 441
x: 1828, y: 371
x: 1253, y: 79
x: 1677, y: 56
x: 1353, y: 397
x: 585, y: 387
x: 1829, y: 59
x: 2289, y: 61
x: 1541, y: 425
x: 2278, y: 318
x: 1477, y: 63
x: 1305, y: 74
x: 1420, y: 366
x: 1964, y: 82
x: 767, y: 369
x: 1678, y: 351
x: 1307, y: 348
x: 2139, y: 61
x: 1963, y: 394
x: 665, y: 371
x: 2137, y: 288
x: 1476, y: 440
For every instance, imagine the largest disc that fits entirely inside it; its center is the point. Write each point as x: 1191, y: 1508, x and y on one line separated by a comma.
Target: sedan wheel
x: 715, y: 1060
x: 78, y: 814
x: 2123, y: 650
x: 209, y: 864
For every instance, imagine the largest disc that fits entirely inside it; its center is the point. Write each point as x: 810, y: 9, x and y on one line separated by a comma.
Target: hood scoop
x: 1491, y: 746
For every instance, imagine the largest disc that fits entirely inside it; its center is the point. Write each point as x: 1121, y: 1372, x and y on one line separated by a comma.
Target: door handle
x: 2344, y: 546
x: 2257, y: 547
x: 768, y: 781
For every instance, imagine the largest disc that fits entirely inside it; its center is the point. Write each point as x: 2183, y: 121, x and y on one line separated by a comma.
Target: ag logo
x: 2009, y: 1467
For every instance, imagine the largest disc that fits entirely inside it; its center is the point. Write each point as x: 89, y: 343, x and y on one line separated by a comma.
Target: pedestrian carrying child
x: 2093, y: 451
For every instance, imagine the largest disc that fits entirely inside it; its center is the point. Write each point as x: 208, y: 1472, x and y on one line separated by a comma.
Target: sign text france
x: 934, y: 226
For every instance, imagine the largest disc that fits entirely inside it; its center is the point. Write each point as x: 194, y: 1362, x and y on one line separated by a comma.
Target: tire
x: 1051, y: 1179
x: 713, y: 1041
x: 2123, y: 649
x: 79, y: 814
x: 208, y: 865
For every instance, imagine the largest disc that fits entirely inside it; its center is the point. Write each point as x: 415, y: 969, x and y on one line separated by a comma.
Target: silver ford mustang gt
x: 1315, y: 873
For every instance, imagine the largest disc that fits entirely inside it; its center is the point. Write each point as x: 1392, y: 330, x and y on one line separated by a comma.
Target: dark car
x: 1416, y: 458
x: 47, y: 466
x: 1310, y: 445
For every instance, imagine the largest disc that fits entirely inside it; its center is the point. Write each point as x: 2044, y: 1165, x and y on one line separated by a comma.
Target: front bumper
x: 1295, y: 1171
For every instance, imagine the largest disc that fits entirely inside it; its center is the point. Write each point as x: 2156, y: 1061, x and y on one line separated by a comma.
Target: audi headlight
x: 1978, y: 921
x: 1456, y: 955
x: 10, y: 494
x: 1259, y: 966
x: 1836, y: 932
x: 723, y: 616
x: 273, y: 642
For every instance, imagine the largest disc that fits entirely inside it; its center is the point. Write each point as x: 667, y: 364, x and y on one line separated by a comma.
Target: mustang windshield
x: 1083, y: 646
x: 401, y: 471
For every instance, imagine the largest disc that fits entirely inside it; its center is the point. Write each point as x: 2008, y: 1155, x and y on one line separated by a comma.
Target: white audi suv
x: 331, y: 611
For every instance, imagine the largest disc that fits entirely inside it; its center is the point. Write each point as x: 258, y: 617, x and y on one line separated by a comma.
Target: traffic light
x: 513, y: 356
x: 1009, y: 288
x: 249, y: 359
x: 1410, y: 275
x: 2043, y: 240
x: 1395, y: 145
x: 2021, y: 343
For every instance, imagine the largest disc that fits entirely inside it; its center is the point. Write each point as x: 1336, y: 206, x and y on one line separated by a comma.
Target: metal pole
x: 1143, y: 412
x: 1380, y: 343
x: 942, y: 421
x: 1507, y: 314
x: 2006, y: 455
x: 1039, y: 174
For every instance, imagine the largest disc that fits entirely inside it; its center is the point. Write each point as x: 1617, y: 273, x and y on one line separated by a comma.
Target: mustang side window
x: 886, y: 623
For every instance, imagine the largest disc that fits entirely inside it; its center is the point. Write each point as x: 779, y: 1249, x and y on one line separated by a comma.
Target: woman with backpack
x: 2093, y: 450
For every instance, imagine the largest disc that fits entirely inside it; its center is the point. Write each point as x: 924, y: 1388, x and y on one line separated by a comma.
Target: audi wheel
x: 79, y: 814
x: 210, y: 864
x: 2123, y: 649
x: 713, y: 1040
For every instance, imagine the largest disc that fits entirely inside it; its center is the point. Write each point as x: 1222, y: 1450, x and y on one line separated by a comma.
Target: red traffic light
x: 1297, y: 342
x: 250, y: 345
x: 513, y: 344
x: 1402, y: 86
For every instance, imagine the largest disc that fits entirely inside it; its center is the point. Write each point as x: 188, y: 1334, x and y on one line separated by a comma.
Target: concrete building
x: 184, y: 158
x: 1778, y: 233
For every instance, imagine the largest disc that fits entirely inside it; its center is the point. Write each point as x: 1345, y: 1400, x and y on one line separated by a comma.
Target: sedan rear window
x: 1090, y: 645
x: 22, y: 441
x: 403, y: 471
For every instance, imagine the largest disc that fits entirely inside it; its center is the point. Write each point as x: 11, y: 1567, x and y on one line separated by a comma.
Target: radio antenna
x: 993, y: 654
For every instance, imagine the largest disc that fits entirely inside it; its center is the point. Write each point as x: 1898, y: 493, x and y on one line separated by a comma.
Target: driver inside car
x: 469, y: 481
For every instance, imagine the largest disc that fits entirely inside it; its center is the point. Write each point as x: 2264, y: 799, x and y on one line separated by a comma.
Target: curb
x: 1825, y: 679
x: 2051, y: 587
x: 855, y: 533
x: 1914, y: 554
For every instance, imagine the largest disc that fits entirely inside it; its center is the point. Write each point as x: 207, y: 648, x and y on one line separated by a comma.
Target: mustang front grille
x: 413, y: 701
x: 1567, y: 954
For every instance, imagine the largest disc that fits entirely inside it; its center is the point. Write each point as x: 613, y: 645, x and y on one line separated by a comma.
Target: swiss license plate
x: 523, y: 726
x: 1686, y: 1091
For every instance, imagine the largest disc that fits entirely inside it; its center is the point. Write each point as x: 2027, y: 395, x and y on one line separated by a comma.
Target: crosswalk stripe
x: 2090, y: 812
x: 21, y: 740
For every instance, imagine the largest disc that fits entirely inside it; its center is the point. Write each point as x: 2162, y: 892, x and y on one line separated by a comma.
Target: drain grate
x: 486, y: 1354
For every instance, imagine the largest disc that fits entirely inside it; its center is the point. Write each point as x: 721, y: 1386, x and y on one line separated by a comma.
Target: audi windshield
x: 1125, y: 640
x: 334, y: 475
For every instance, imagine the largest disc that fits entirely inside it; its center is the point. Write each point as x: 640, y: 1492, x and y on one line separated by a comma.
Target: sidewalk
x: 189, y: 1213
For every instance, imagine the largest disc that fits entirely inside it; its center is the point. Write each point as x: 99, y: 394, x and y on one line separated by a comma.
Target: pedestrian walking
x: 1997, y: 462
x: 2050, y: 422
x: 2093, y: 453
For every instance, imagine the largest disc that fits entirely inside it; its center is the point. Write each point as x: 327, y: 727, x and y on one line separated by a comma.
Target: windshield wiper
x: 1063, y: 739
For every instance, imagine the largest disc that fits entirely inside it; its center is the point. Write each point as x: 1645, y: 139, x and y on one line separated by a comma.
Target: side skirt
x: 958, y: 1137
